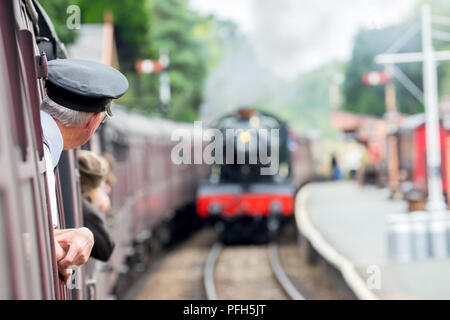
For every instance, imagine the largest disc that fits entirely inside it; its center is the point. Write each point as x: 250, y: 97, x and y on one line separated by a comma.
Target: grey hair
x: 68, y: 117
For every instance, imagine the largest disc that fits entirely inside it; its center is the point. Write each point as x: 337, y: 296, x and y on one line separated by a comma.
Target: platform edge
x: 348, y: 271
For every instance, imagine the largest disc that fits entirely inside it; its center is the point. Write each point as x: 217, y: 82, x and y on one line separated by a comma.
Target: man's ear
x: 94, y: 121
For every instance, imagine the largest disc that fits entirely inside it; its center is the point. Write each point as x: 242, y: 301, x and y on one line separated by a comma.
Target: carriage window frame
x: 31, y: 223
x: 31, y: 168
x: 9, y: 100
x: 29, y: 228
x: 5, y: 287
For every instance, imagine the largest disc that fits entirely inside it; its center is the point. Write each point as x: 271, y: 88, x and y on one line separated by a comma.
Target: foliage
x: 131, y: 25
x: 142, y: 28
x: 371, y: 99
x: 173, y: 26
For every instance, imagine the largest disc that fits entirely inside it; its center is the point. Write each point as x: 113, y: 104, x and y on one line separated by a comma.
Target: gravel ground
x: 179, y: 274
x: 311, y: 281
x: 244, y: 272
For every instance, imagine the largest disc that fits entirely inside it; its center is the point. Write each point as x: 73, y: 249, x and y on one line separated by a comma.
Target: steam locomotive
x: 251, y: 193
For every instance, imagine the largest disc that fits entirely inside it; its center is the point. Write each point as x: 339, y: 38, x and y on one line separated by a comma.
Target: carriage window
x: 30, y: 240
x: 4, y: 268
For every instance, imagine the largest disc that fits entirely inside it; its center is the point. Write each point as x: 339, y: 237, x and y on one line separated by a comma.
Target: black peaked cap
x: 83, y: 85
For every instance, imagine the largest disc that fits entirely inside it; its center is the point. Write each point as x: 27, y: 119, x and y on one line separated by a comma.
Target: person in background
x: 101, y: 199
x: 79, y: 94
x: 93, y: 170
x: 337, y: 174
x: 353, y: 159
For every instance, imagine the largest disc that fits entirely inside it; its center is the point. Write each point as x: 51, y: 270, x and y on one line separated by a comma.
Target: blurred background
x: 298, y: 58
x: 281, y: 57
x: 308, y: 63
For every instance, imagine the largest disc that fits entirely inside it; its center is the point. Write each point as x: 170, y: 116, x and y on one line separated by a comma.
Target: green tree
x: 142, y: 28
x: 131, y: 26
x: 173, y: 29
x: 360, y: 98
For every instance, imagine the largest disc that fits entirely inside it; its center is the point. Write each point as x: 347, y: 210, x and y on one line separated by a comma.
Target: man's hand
x: 60, y: 253
x: 77, y: 243
x: 64, y: 274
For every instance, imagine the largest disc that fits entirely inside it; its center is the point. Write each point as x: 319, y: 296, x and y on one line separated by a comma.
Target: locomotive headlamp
x: 245, y: 137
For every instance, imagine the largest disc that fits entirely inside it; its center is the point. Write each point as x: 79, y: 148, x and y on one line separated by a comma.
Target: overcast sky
x: 291, y: 36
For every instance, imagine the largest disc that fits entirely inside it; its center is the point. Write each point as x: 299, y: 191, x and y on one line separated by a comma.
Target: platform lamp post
x: 160, y: 66
x: 430, y: 82
x: 429, y: 57
x: 392, y: 119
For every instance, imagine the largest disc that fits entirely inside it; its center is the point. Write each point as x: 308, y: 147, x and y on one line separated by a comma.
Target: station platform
x: 345, y: 223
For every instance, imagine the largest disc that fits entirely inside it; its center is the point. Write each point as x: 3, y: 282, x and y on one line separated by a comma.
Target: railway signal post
x: 160, y: 66
x: 429, y: 57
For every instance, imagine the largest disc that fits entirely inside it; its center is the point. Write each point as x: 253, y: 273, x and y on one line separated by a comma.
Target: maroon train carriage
x: 150, y: 192
x: 301, y: 163
x: 28, y: 263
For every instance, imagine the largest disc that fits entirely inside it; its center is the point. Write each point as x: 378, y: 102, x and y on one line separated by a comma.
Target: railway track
x: 202, y: 268
x: 177, y: 275
x: 208, y: 274
x: 275, y: 280
x: 278, y: 271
